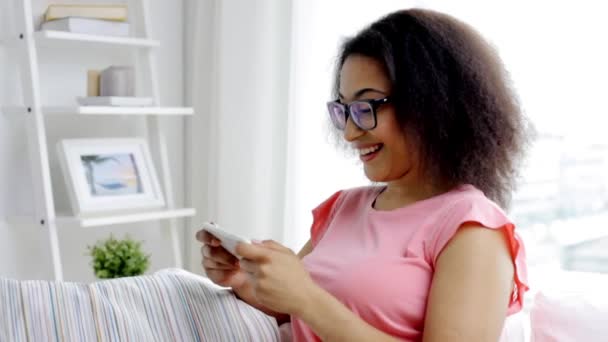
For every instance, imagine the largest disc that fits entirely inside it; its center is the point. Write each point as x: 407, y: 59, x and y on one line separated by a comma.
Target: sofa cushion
x: 572, y: 308
x: 170, y: 305
x: 515, y: 327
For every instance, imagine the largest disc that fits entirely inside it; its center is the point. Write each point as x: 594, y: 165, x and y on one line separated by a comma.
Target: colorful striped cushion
x: 170, y: 305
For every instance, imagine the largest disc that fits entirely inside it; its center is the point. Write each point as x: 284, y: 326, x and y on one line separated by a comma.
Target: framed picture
x: 105, y: 175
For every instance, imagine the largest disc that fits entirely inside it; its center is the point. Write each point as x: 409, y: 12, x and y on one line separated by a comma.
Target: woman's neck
x: 399, y: 194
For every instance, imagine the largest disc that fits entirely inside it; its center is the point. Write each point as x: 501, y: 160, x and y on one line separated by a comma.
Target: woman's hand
x: 220, y: 266
x: 278, y: 278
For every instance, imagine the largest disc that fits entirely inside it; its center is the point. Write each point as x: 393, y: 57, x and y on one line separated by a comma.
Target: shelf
x: 123, y: 218
x: 52, y: 37
x: 13, y: 110
x: 108, y: 220
x: 102, y: 110
x: 95, y: 110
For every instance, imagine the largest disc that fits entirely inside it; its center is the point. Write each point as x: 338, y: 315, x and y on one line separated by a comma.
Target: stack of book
x: 95, y: 19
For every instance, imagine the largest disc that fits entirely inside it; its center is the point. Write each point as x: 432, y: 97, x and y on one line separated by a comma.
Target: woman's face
x: 387, y: 154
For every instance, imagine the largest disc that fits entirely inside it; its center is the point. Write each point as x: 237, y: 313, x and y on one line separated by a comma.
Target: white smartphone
x: 227, y: 240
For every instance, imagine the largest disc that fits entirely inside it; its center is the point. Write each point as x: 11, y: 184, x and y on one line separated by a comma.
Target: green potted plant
x: 112, y: 258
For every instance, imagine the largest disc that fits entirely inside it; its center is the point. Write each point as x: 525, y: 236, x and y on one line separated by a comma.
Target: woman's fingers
x: 276, y: 246
x: 207, y: 238
x: 218, y: 254
x: 254, y: 252
x: 209, y: 264
x: 249, y: 266
x: 217, y: 276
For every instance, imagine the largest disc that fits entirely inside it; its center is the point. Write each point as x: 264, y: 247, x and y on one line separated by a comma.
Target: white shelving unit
x: 100, y: 110
x: 48, y: 38
x: 107, y: 220
x: 95, y: 110
x: 26, y: 44
x: 124, y: 218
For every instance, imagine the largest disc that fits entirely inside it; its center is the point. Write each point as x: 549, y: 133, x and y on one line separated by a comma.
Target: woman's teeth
x: 368, y: 150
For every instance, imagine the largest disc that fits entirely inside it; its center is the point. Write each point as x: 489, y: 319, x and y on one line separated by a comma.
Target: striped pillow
x: 170, y: 305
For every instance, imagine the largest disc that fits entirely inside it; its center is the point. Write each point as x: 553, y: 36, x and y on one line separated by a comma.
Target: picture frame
x: 105, y: 175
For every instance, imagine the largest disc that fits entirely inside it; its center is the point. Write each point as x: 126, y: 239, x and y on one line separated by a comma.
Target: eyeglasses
x: 362, y: 112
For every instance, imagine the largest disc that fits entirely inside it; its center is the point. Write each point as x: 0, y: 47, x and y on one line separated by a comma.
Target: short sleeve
x: 486, y: 213
x: 321, y: 216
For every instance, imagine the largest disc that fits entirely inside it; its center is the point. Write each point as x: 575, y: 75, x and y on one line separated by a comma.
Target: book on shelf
x: 88, y: 26
x: 114, y: 12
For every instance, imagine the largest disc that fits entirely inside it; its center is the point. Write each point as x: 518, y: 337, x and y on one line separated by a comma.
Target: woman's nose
x: 352, y: 131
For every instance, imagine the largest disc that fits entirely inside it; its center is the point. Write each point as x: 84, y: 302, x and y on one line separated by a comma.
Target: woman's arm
x: 471, y: 287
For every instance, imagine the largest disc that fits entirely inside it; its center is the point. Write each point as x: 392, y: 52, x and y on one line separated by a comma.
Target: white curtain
x: 238, y: 58
x: 260, y: 76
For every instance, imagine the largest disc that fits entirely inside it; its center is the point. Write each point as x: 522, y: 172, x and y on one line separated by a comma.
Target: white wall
x: 24, y: 250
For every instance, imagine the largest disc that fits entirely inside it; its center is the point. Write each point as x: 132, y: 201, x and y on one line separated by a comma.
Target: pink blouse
x: 380, y: 263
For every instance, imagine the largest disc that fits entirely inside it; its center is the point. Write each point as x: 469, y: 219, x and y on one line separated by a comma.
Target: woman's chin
x: 374, y: 175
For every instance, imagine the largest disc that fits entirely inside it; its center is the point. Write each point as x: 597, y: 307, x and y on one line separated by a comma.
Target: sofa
x: 175, y: 305
x: 562, y: 307
x: 169, y: 305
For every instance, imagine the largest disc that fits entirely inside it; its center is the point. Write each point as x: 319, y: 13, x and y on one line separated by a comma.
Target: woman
x: 429, y: 255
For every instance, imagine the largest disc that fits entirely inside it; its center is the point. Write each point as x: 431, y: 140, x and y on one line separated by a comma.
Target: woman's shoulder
x: 341, y: 200
x: 362, y: 191
x: 456, y: 199
x: 464, y: 205
x: 467, y: 199
x: 356, y: 198
x: 469, y: 206
x: 351, y: 194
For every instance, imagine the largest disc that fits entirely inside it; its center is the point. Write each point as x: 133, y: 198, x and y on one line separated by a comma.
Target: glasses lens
x: 337, y: 115
x: 362, y: 114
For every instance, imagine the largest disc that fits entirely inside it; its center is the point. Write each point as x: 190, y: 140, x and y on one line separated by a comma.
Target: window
x: 556, y: 54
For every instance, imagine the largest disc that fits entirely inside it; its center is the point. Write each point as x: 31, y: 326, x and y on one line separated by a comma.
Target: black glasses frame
x: 373, y: 103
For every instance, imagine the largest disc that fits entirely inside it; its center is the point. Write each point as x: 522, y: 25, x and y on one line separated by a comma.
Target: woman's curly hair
x: 452, y: 95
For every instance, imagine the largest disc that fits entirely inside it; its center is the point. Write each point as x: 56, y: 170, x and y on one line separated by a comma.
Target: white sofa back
x: 563, y: 307
x: 573, y: 307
